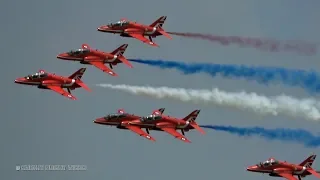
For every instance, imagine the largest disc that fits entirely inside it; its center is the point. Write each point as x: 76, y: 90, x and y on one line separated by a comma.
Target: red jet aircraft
x: 122, y: 121
x: 87, y: 55
x: 55, y: 82
x: 159, y: 122
x: 284, y: 169
x: 135, y: 30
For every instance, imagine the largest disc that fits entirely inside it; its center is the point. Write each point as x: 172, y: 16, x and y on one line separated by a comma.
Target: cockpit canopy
x: 119, y: 23
x: 40, y: 74
x: 268, y: 162
x: 78, y: 52
x: 114, y: 116
x: 151, y: 117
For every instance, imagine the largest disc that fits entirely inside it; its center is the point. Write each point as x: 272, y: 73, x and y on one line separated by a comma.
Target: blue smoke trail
x: 291, y: 135
x: 309, y: 80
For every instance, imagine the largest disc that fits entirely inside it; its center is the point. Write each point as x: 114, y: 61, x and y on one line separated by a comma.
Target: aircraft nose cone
x: 102, y: 28
x: 19, y: 80
x: 60, y: 56
x: 99, y: 120
x: 251, y: 168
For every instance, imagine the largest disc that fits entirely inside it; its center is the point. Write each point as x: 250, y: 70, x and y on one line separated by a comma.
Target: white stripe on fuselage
x: 70, y: 84
x: 114, y: 58
x: 264, y: 171
x: 294, y: 172
x: 63, y: 85
x: 33, y: 83
x: 111, y: 123
x: 154, y: 29
x: 138, y: 123
x: 183, y: 126
x: 75, y: 59
x: 300, y: 172
x: 151, y: 32
x: 112, y: 30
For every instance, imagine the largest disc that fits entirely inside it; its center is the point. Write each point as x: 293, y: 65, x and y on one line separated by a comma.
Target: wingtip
x: 112, y: 74
x: 151, y: 139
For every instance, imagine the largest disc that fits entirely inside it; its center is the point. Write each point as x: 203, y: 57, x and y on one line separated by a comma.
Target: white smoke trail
x: 307, y: 108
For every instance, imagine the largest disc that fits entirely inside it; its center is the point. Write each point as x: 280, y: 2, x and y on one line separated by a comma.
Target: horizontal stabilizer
x: 83, y: 85
x: 313, y: 172
x: 197, y: 127
x: 125, y: 61
x: 161, y: 31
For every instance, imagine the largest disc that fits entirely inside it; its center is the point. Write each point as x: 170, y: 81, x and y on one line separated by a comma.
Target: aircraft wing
x: 139, y: 131
x: 142, y: 38
x: 59, y: 90
x: 287, y: 176
x: 313, y: 172
x: 102, y: 67
x: 174, y: 133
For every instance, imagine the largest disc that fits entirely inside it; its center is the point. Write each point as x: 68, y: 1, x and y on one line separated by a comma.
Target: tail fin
x: 159, y: 22
x: 120, y: 50
x: 77, y: 76
x: 191, y: 118
x: 309, y: 161
x: 161, y: 110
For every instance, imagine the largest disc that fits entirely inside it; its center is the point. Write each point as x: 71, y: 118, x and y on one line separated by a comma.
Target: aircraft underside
x: 276, y: 175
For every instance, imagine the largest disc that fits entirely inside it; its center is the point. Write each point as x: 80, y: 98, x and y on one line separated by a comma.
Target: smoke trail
x: 290, y: 135
x: 259, y: 43
x: 307, y: 108
x: 309, y: 80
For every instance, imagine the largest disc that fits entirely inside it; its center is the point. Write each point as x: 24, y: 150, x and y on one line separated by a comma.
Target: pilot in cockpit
x: 119, y: 23
x: 269, y: 162
x: 40, y: 74
x: 77, y: 52
x: 151, y: 117
x: 114, y: 116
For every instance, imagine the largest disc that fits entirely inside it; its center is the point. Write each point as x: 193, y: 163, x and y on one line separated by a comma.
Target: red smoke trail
x: 262, y: 44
